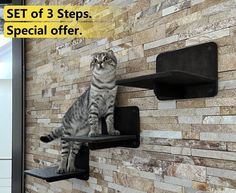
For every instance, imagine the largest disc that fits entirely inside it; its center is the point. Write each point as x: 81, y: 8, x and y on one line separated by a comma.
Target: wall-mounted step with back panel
x: 127, y: 121
x: 191, y: 72
x: 50, y: 173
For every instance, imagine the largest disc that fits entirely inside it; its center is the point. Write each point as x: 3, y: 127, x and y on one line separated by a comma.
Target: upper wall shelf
x: 186, y: 73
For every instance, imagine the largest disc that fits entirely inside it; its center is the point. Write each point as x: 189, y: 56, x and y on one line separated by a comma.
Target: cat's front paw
x: 61, y: 170
x: 93, y: 134
x: 113, y: 132
x: 71, y: 168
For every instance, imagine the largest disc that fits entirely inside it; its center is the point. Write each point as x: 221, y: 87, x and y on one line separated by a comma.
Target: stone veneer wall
x: 188, y: 146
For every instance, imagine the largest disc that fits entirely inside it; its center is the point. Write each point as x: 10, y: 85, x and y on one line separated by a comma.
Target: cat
x: 84, y: 116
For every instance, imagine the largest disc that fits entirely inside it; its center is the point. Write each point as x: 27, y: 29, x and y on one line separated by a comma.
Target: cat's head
x: 103, y: 61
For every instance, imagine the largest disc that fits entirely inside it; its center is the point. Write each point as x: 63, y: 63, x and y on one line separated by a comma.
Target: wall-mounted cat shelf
x: 181, y: 74
x: 127, y: 121
x: 50, y: 175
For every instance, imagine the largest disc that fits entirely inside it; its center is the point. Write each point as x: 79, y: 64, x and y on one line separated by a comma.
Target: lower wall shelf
x: 127, y: 121
x: 50, y: 175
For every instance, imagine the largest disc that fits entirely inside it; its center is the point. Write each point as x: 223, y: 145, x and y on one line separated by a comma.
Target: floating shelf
x: 173, y: 77
x: 50, y: 173
x: 101, y: 138
x: 126, y: 121
x: 186, y: 73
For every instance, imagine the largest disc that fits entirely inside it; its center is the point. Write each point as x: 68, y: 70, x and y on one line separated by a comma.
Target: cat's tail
x: 56, y: 133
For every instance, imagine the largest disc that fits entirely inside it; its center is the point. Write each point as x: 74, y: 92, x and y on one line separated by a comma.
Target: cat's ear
x: 112, y: 55
x: 110, y: 52
x: 92, y: 64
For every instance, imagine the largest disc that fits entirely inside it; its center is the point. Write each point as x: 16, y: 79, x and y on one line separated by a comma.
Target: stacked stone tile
x: 187, y: 146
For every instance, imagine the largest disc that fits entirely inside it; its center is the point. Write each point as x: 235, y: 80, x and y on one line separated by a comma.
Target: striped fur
x: 84, y: 116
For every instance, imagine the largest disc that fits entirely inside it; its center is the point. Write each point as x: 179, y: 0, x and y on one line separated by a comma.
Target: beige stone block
x: 126, y: 168
x: 219, y: 7
x: 103, y: 166
x: 82, y: 186
x: 157, y: 148
x: 162, y: 134
x: 221, y: 102
x: 66, y: 185
x: 133, y: 182
x: 197, y: 173
x: 177, y: 181
x: 190, y: 119
x: 44, y: 121
x: 201, y: 186
x: 144, y: 103
x: 227, y: 62
x: 229, y: 174
x: 151, y: 58
x: 121, y: 41
x: 190, y: 103
x: 168, y: 187
x: 228, y: 84
x: 224, y: 190
x: 231, y: 146
x: 216, y: 163
x: 136, y: 66
x: 219, y: 120
x: 181, y: 112
x: 175, y: 8
x: 122, y: 56
x: 228, y: 75
x: 220, y: 181
x: 84, y: 61
x: 149, y: 35
x: 208, y: 37
x: 136, y: 52
x: 195, y: 2
x: 167, y: 104
x: 161, y: 42
x: 168, y: 47
x: 214, y: 154
x: 181, y: 150
x: 228, y: 137
x: 139, y: 6
x: 159, y: 120
x: 123, y: 188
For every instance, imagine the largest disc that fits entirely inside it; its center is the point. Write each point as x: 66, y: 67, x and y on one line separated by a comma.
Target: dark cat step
x: 127, y: 121
x: 50, y: 175
x: 107, y: 141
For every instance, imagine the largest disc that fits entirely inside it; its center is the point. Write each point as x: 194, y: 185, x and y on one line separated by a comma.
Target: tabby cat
x: 84, y: 116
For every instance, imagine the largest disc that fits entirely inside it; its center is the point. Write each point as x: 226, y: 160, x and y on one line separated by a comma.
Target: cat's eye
x: 105, y: 58
x: 95, y: 60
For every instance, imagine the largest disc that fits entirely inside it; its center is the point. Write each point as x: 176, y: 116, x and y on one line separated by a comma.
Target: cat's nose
x: 99, y: 65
